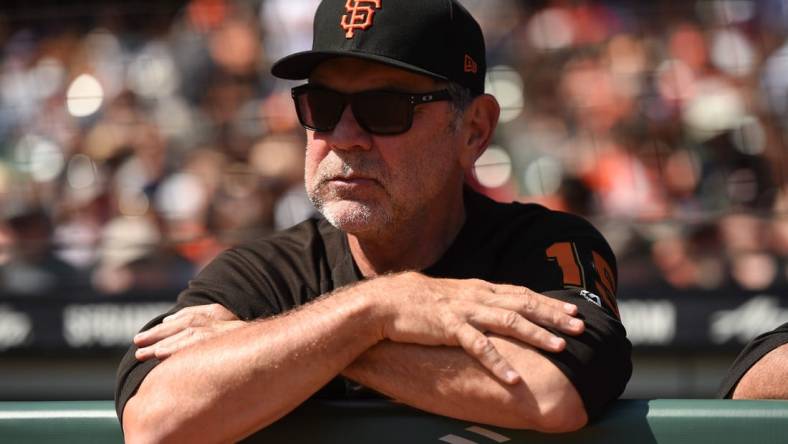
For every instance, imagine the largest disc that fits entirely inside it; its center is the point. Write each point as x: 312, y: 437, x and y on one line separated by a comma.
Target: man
x: 761, y: 369
x: 412, y: 286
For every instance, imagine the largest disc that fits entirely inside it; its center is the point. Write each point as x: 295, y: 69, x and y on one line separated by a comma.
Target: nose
x: 348, y: 134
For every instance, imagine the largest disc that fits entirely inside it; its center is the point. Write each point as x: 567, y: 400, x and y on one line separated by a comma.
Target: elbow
x: 133, y: 435
x: 143, y: 423
x: 562, y: 419
x: 558, y: 413
x: 135, y: 430
x: 141, y: 431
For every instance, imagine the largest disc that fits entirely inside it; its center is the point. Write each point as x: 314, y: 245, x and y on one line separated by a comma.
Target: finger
x: 542, y: 310
x: 144, y: 353
x: 482, y: 349
x: 190, y: 336
x: 185, y: 338
x: 541, y: 315
x: 181, y: 313
x: 194, y: 310
x: 566, y: 307
x: 165, y: 330
x: 168, y: 346
x: 153, y: 350
x: 194, y: 316
x: 511, y: 324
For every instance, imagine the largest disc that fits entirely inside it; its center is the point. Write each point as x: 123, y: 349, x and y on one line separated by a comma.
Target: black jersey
x: 523, y: 244
x: 752, y: 353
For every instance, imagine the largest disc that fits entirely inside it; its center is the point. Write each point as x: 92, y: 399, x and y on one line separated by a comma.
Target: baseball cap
x: 438, y: 38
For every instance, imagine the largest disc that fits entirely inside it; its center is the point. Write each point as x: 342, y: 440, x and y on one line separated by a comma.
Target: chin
x: 354, y: 217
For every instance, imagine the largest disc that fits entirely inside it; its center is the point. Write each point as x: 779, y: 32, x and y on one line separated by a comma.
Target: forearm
x: 446, y: 381
x: 232, y: 385
x: 766, y: 379
x: 261, y: 371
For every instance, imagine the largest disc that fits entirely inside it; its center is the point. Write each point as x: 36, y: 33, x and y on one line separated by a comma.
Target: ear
x: 479, y: 123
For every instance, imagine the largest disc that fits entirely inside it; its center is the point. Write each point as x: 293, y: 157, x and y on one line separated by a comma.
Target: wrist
x: 384, y: 297
x: 377, y: 297
x: 370, y: 308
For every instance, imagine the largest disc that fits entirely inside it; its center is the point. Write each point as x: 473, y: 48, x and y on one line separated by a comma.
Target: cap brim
x: 301, y: 64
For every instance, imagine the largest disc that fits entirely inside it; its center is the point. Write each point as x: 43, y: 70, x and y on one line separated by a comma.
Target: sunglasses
x: 377, y: 112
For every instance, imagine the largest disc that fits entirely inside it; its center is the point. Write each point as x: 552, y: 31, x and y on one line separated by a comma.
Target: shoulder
x: 299, y: 242
x: 782, y: 331
x: 543, y: 249
x: 530, y: 222
x: 285, y: 269
x: 771, y: 338
x: 292, y: 244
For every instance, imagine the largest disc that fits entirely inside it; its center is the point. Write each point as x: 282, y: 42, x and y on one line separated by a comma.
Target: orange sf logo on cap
x: 359, y: 15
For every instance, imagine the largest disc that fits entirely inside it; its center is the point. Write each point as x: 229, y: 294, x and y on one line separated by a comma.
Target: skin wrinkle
x: 343, y: 164
x: 349, y: 164
x: 368, y: 166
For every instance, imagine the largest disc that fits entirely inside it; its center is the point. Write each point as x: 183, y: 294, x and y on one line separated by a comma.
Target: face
x: 366, y: 183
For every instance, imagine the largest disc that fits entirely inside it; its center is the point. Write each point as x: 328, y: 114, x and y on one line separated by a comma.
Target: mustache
x: 345, y: 168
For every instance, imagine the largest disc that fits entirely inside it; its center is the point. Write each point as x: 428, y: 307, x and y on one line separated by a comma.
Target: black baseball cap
x: 438, y: 38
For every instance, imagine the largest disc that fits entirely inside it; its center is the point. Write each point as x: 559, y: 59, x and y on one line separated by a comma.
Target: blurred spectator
x: 152, y: 141
x: 32, y: 268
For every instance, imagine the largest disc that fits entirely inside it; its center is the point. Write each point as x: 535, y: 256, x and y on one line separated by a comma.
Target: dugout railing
x: 659, y: 421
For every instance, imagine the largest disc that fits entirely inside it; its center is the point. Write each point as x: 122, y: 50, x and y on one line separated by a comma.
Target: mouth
x: 349, y: 186
x: 355, y: 180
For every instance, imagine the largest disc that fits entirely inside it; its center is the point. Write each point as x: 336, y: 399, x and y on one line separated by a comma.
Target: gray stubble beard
x: 359, y: 214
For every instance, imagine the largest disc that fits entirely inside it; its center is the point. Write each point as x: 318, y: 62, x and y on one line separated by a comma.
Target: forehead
x: 349, y: 74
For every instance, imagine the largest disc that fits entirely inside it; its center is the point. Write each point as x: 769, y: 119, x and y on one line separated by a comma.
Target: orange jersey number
x: 568, y: 259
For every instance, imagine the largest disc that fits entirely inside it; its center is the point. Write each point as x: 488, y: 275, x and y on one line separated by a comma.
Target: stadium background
x: 140, y: 138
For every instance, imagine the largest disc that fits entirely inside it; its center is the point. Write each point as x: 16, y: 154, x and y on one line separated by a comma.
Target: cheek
x: 316, y: 151
x: 424, y: 163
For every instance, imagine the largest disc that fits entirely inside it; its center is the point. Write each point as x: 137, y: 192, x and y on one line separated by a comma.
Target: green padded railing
x: 661, y: 421
x: 85, y: 422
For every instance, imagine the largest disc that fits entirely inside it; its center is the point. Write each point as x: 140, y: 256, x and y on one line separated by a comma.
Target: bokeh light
x: 181, y: 196
x: 81, y: 172
x: 732, y: 52
x: 39, y: 157
x: 551, y: 29
x: 506, y: 84
x: 543, y: 176
x: 715, y: 108
x: 493, y: 168
x: 48, y: 75
x: 152, y: 74
x: 84, y: 96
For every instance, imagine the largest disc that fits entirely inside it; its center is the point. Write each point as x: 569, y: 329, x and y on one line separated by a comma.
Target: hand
x: 183, y: 329
x: 422, y: 310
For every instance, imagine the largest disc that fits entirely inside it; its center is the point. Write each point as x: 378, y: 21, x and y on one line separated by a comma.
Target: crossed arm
x: 416, y: 339
x: 766, y: 379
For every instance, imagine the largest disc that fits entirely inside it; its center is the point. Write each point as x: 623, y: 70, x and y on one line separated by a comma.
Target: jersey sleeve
x: 230, y: 280
x: 597, y: 362
x: 752, y: 353
x: 568, y: 259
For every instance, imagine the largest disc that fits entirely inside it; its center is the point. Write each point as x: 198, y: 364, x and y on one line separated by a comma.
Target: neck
x: 414, y: 245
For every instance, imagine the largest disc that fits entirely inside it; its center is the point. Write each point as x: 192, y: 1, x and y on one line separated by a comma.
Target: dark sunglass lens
x: 319, y: 109
x: 383, y: 112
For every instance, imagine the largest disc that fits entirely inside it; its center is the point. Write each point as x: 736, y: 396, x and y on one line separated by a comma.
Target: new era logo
x: 470, y: 65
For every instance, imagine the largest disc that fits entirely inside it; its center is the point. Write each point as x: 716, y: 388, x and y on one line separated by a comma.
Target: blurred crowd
x: 136, y: 144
